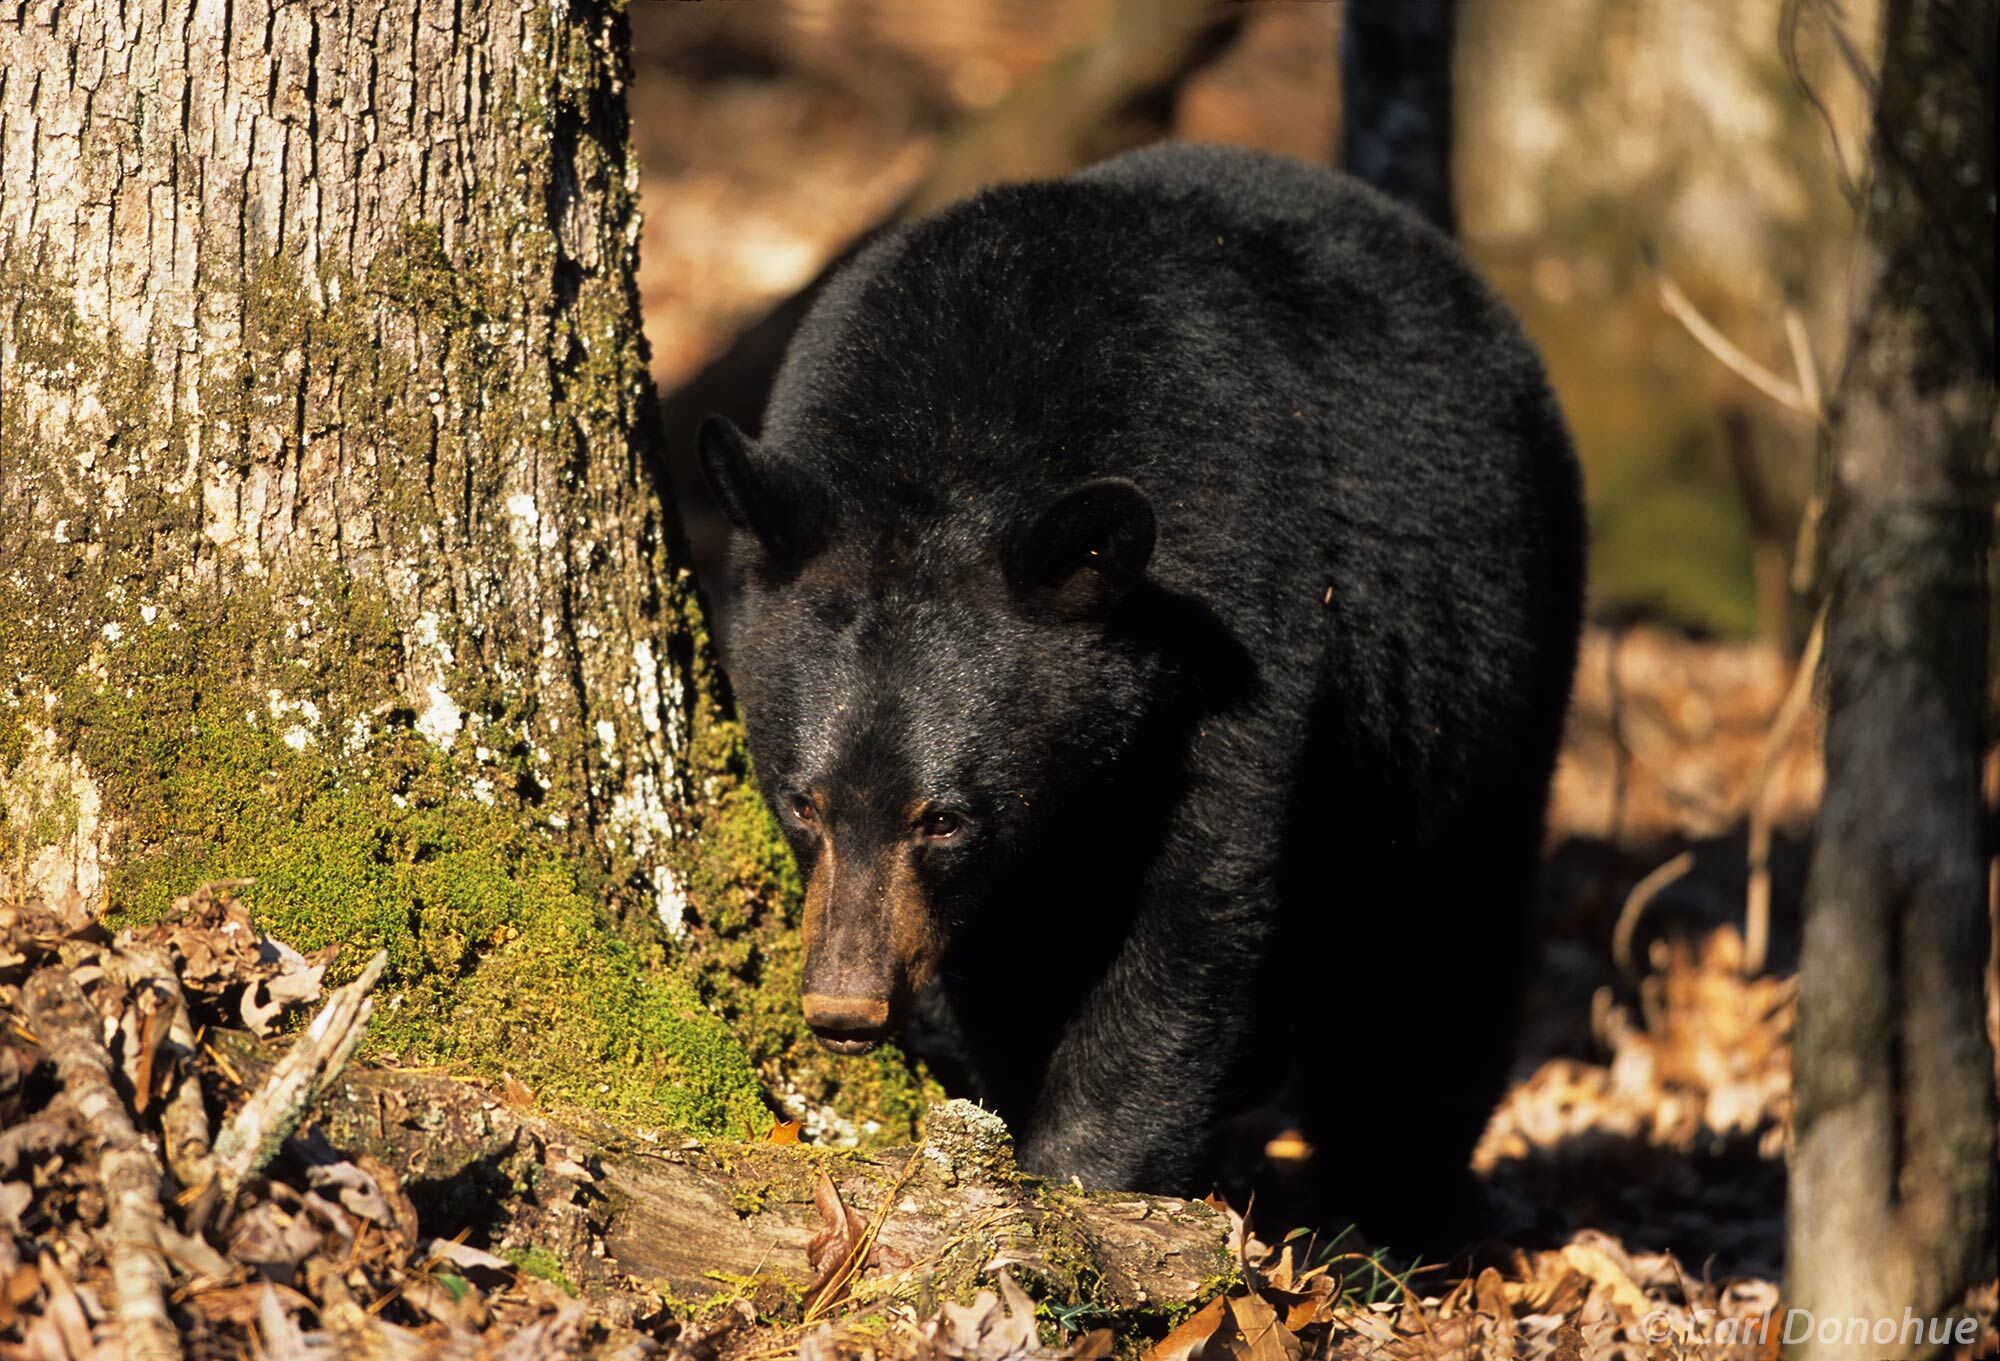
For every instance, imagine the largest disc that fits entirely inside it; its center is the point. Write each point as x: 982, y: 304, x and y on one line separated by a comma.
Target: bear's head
x: 929, y: 682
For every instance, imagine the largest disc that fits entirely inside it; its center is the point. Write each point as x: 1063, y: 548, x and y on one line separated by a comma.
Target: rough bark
x: 1892, y: 1187
x: 318, y: 336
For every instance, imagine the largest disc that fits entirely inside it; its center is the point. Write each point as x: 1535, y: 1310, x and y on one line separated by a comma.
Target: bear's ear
x: 1083, y: 553
x: 764, y: 493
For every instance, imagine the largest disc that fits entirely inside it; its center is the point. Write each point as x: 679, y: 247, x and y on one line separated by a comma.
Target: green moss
x: 540, y: 1262
x: 500, y: 960
x: 419, y: 276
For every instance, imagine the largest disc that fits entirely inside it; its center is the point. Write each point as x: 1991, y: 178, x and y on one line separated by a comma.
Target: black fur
x: 1203, y: 534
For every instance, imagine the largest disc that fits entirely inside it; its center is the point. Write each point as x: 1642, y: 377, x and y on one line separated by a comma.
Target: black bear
x: 1159, y: 591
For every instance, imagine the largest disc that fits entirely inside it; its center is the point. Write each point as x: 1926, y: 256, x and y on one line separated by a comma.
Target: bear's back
x: 1331, y: 414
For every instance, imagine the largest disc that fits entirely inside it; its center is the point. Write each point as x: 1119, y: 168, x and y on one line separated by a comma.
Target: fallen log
x: 68, y: 1029
x: 696, y: 1220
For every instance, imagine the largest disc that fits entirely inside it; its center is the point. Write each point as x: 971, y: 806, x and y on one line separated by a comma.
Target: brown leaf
x: 1301, y: 1310
x: 17, y: 1288
x: 1593, y: 1256
x: 15, y: 1197
x: 1187, y: 1340
x: 829, y: 1250
x: 193, y: 1256
x: 469, y: 1260
x: 23, y: 1283
x: 1280, y: 1276
x: 154, y: 1021
x: 517, y: 1094
x: 1094, y: 1345
x: 1491, y: 1292
x: 838, y: 1233
x: 290, y: 979
x: 994, y: 1327
x: 1253, y: 1332
x: 273, y: 1241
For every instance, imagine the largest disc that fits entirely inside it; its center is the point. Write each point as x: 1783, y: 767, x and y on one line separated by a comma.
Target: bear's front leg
x: 1132, y: 1091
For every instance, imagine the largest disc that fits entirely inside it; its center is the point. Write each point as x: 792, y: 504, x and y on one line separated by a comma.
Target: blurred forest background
x: 1601, y: 146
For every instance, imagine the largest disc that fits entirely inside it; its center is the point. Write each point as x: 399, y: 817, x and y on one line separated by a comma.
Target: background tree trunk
x: 1891, y: 1202
x: 1396, y: 102
x: 328, y: 547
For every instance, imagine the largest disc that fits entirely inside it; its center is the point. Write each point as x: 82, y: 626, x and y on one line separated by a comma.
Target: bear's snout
x: 847, y: 1025
x: 870, y: 945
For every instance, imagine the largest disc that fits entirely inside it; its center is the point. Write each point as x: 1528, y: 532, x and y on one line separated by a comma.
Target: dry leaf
x: 1253, y: 1332
x: 517, y: 1094
x: 1188, y: 1339
x: 1600, y: 1266
x: 829, y: 1250
x: 994, y: 1327
x: 1094, y: 1345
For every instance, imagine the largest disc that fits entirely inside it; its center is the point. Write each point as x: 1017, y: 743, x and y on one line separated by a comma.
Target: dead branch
x: 737, y: 1218
x: 1682, y: 309
x: 1637, y: 901
x: 184, y: 1120
x: 1751, y: 803
x: 1805, y: 551
x: 253, y: 1137
x: 68, y: 1028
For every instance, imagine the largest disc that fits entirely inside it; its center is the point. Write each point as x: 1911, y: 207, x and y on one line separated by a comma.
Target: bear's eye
x: 804, y: 809
x: 940, y: 825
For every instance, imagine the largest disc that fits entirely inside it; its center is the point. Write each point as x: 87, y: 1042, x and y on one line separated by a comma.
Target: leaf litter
x: 309, y: 1255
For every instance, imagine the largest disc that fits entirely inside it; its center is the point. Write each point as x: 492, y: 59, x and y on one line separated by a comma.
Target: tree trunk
x: 330, y: 552
x: 1893, y: 1180
x: 1396, y: 102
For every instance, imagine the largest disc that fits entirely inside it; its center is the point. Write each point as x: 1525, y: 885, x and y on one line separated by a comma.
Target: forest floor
x: 1635, y: 1168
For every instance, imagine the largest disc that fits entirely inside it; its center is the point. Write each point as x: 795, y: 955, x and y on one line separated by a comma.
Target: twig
x: 184, y: 1121
x: 1750, y: 800
x: 1749, y: 803
x: 68, y: 1025
x: 1792, y: 708
x: 1800, y: 341
x: 1805, y: 551
x: 1683, y: 310
x: 1638, y: 900
x: 257, y: 1131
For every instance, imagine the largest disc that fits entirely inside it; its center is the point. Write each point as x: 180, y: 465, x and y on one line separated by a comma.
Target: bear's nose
x: 846, y: 1025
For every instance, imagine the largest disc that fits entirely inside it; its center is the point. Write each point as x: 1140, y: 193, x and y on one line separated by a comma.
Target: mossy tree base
x: 331, y: 554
